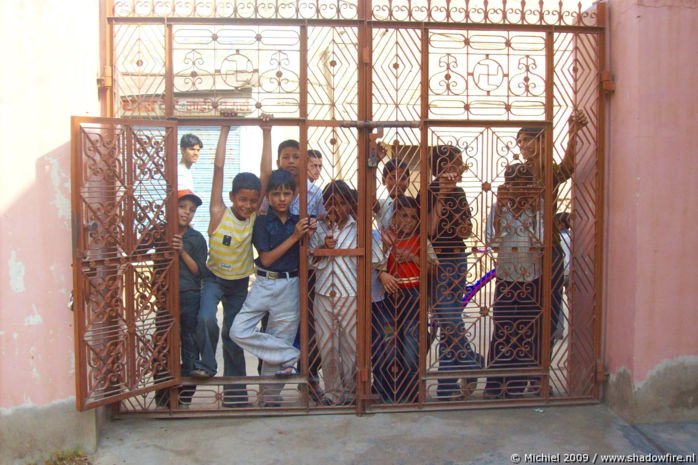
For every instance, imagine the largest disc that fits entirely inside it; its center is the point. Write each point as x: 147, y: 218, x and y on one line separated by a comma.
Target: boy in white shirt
x: 336, y: 291
x: 190, y: 147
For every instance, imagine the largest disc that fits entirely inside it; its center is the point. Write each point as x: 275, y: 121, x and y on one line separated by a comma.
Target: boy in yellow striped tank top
x: 226, y: 277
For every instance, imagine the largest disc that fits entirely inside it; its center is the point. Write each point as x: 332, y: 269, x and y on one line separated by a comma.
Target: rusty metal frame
x: 517, y: 17
x: 121, y: 346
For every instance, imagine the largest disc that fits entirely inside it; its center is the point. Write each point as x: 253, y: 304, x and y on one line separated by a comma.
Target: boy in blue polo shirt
x: 275, y: 291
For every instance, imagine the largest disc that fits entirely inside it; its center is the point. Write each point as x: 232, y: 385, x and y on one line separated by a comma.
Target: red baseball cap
x: 186, y: 193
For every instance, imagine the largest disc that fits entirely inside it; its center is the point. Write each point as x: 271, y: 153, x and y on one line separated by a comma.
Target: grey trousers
x: 280, y: 299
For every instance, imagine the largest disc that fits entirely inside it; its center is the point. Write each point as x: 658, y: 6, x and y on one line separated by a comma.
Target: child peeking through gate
x: 336, y: 291
x: 395, y: 345
x: 516, y: 230
x: 276, y: 289
x: 191, y: 249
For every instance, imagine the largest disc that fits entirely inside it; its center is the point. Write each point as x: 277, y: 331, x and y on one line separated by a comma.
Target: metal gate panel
x: 235, y: 71
x: 126, y: 299
x: 139, y: 72
x: 335, y: 353
x: 465, y: 74
x: 577, y: 357
x: 467, y: 11
x: 487, y: 74
x: 332, y: 75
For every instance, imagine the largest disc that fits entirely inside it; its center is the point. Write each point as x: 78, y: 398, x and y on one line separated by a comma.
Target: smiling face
x: 529, y: 145
x: 280, y: 199
x: 245, y: 202
x: 190, y: 155
x: 185, y: 212
x: 289, y: 160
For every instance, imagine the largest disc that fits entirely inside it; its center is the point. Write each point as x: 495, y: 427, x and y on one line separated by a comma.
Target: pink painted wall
x: 652, y: 178
x: 51, y: 53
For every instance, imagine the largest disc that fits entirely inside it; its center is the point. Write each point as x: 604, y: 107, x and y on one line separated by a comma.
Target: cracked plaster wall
x: 53, y: 48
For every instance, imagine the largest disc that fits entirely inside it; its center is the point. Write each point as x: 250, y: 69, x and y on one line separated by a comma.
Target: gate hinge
x: 608, y: 85
x: 601, y: 372
x: 105, y: 80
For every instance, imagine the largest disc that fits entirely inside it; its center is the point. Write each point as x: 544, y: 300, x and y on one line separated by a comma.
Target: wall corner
x: 29, y: 433
x: 668, y: 394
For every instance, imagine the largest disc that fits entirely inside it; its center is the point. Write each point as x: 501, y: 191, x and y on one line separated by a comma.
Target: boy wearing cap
x: 191, y: 248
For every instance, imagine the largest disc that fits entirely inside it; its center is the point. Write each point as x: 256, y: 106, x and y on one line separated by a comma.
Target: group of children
x: 265, y: 214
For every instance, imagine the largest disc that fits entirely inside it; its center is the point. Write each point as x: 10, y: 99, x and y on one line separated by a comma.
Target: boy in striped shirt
x: 226, y: 277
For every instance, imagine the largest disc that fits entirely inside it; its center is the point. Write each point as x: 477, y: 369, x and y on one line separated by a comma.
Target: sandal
x: 288, y: 370
x: 468, y: 388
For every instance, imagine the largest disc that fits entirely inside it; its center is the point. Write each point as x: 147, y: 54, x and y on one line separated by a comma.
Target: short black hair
x: 392, y: 165
x: 517, y: 172
x: 563, y: 219
x: 443, y: 155
x: 403, y: 201
x: 190, y: 140
x: 287, y: 143
x: 279, y: 179
x: 246, y: 181
x: 342, y: 190
x: 533, y: 132
x: 314, y: 154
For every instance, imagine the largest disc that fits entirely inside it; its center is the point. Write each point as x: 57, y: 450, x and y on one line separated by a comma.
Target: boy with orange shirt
x: 399, y: 329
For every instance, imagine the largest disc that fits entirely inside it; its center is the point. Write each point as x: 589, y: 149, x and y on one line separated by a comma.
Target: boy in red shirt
x: 400, y: 330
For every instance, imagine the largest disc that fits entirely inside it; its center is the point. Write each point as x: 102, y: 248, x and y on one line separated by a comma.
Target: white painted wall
x: 50, y: 63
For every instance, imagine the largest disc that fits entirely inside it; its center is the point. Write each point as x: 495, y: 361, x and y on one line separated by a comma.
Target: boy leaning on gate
x: 276, y: 290
x: 191, y: 250
x: 289, y: 158
x: 226, y: 276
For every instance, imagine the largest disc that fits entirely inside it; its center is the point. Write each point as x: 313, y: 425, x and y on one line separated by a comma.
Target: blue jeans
x: 395, y: 346
x: 232, y: 293
x: 557, y: 325
x: 188, y: 310
x: 455, y: 352
x: 515, y: 340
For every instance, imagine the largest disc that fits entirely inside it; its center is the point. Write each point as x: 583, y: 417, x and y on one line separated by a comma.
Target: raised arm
x: 265, y: 165
x: 576, y: 123
x: 217, y: 207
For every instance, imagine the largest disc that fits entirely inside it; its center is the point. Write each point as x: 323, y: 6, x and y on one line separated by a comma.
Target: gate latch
x: 374, y: 147
x: 105, y: 80
x: 607, y: 84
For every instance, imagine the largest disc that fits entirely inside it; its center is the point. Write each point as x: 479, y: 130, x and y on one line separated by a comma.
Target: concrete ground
x: 444, y: 438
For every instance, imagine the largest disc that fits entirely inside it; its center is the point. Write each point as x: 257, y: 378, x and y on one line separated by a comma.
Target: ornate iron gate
x: 428, y: 76
x: 126, y: 301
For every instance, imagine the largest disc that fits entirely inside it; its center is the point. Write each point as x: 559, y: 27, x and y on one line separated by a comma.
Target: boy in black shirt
x: 449, y: 226
x: 190, y: 245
